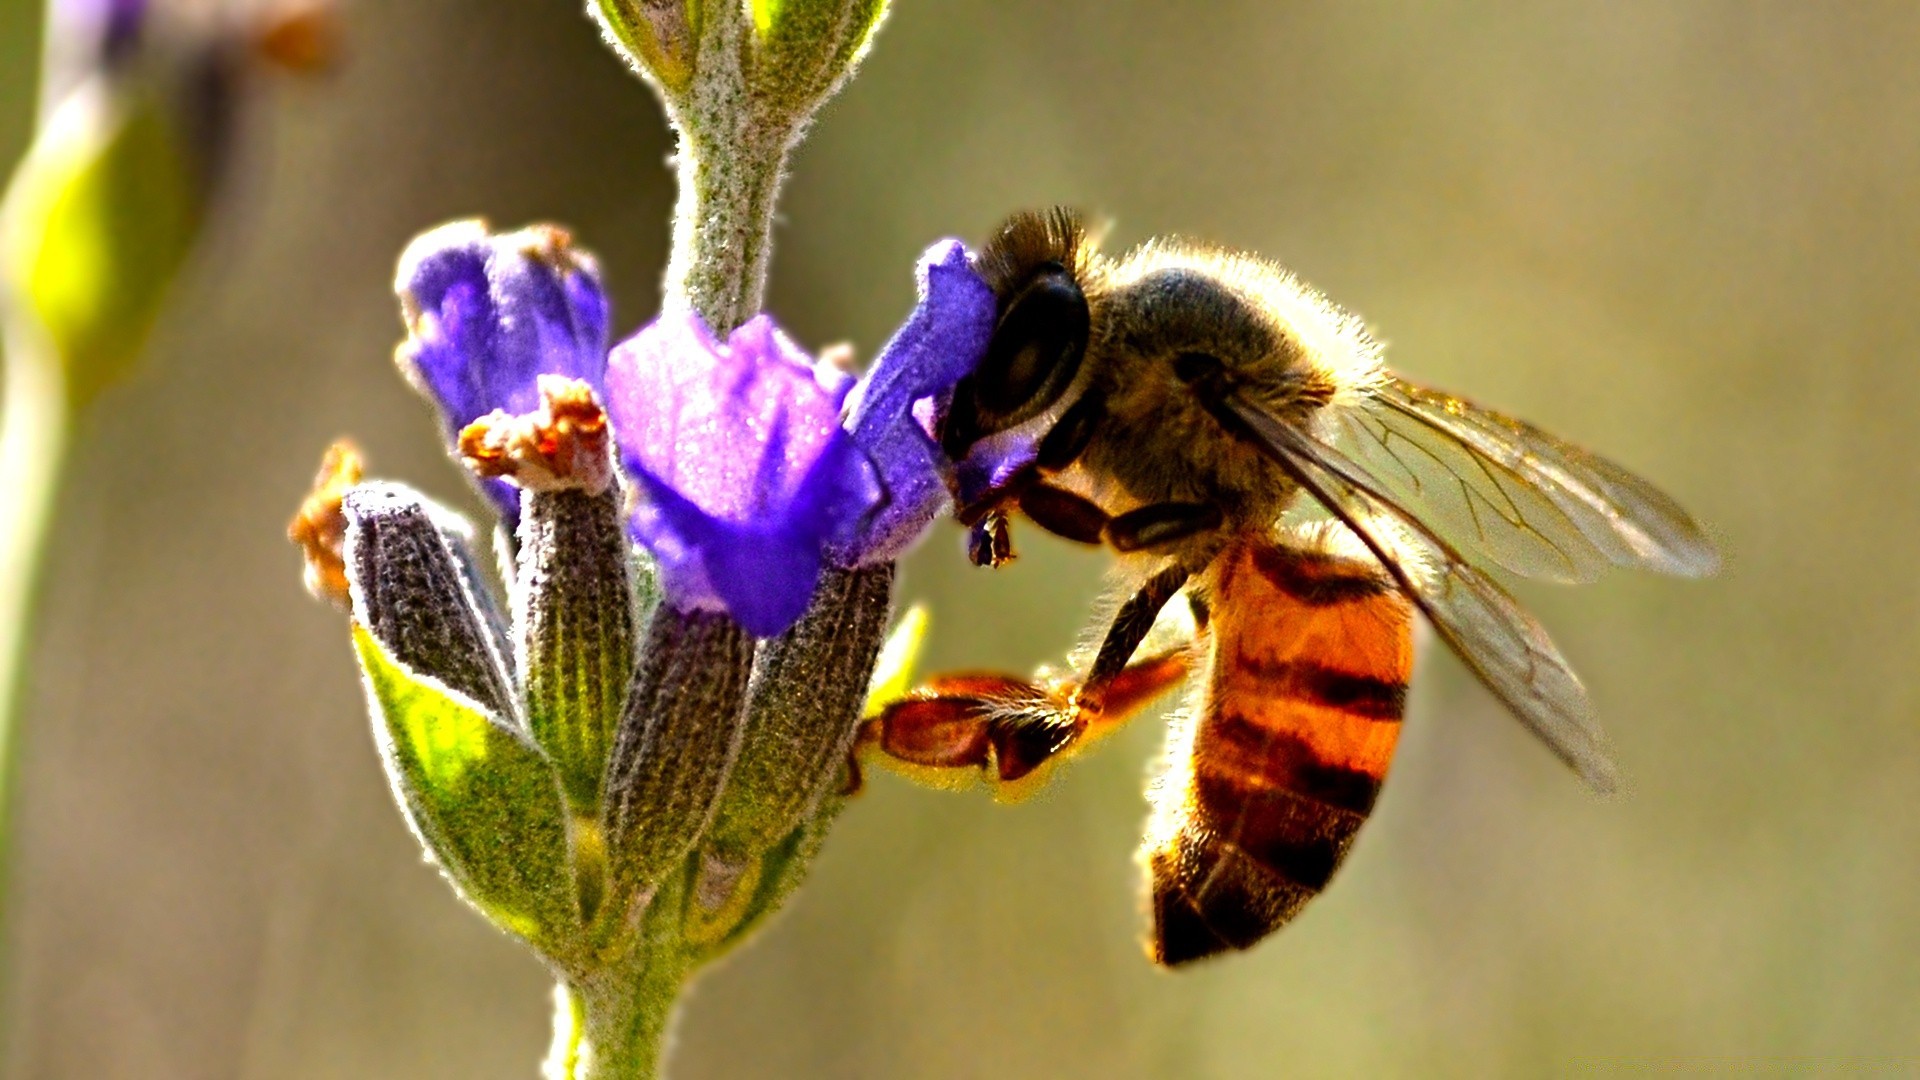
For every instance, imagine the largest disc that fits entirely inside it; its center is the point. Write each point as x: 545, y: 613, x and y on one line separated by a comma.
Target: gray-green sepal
x: 729, y: 900
x: 573, y: 601
x: 412, y: 592
x: 676, y: 744
x: 805, y: 49
x: 802, y: 713
x: 657, y: 36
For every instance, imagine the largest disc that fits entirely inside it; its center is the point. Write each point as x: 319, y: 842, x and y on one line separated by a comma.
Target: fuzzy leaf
x: 893, y: 673
x: 483, y: 800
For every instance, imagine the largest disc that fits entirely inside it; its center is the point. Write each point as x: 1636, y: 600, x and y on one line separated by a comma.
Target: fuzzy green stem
x: 34, y: 420
x: 612, y: 1023
x: 731, y: 161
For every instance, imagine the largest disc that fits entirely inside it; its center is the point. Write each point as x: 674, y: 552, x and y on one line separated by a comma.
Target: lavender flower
x: 487, y: 315
x: 939, y: 343
x: 745, y: 472
x: 676, y: 776
x: 752, y: 485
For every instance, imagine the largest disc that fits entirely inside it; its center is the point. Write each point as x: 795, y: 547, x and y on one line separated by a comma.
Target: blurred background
x: 1684, y: 234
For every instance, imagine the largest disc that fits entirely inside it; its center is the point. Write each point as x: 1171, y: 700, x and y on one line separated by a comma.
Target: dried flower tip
x: 561, y: 445
x: 835, y: 362
x: 320, y: 528
x: 303, y: 38
x: 487, y: 314
x: 551, y: 246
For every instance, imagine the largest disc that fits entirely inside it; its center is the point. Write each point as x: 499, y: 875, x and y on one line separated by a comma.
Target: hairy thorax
x: 1158, y: 442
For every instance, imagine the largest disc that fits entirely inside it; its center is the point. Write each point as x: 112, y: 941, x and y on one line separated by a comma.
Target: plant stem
x: 611, y: 1023
x: 730, y: 164
x: 33, y: 441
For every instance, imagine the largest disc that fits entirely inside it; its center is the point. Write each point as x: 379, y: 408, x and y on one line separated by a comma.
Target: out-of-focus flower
x: 487, y: 315
x: 745, y: 473
x: 138, y: 109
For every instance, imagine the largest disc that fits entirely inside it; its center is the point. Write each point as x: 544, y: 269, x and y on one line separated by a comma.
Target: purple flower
x: 745, y: 472
x: 939, y: 343
x: 91, y: 34
x: 487, y: 315
x: 751, y: 482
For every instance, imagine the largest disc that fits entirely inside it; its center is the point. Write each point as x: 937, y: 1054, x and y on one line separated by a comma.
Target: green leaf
x: 98, y: 220
x: 482, y: 799
x: 893, y: 673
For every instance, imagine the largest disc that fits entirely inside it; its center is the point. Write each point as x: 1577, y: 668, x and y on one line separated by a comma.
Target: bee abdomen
x: 1270, y: 781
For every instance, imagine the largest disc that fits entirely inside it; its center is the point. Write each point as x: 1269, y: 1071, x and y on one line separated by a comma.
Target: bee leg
x: 1161, y: 524
x: 975, y: 720
x: 1006, y: 727
x: 1056, y: 510
x: 1130, y: 627
x: 1064, y: 514
x: 990, y: 541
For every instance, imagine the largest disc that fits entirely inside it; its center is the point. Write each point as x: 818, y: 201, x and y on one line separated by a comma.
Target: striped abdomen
x: 1305, y: 678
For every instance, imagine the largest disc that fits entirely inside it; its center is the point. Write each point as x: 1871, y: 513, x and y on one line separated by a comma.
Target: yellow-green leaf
x: 482, y: 798
x: 893, y: 672
x: 98, y: 219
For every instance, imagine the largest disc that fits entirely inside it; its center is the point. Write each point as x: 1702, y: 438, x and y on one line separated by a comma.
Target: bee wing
x: 1507, y: 648
x: 1534, y: 504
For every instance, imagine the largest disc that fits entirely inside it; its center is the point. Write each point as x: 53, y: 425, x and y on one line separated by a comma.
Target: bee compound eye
x: 1035, y: 350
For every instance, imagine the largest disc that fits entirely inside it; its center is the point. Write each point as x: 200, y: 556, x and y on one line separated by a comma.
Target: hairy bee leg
x: 1131, y: 625
x: 1058, y: 511
x: 1064, y: 514
x: 997, y: 723
x: 1162, y: 523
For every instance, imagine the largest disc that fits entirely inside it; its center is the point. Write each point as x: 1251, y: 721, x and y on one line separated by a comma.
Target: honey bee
x: 1180, y: 404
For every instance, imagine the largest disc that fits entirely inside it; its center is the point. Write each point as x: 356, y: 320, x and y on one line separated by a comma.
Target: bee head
x: 1035, y: 264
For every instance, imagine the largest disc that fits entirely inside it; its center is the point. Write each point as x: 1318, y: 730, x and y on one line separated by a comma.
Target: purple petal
x: 940, y: 342
x: 746, y: 471
x: 487, y: 315
x: 106, y: 31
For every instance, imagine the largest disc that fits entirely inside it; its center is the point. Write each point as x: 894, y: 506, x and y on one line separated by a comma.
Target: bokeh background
x: 1685, y: 233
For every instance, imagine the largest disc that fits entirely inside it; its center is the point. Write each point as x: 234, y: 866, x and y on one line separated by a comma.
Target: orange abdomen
x: 1267, y: 781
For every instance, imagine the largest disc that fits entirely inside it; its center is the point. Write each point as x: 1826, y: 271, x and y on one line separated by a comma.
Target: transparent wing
x: 1485, y: 627
x: 1532, y: 503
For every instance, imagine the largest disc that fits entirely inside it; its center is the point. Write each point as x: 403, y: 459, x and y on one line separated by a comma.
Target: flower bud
x: 676, y: 744
x: 480, y: 796
x: 656, y: 36
x: 803, y: 709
